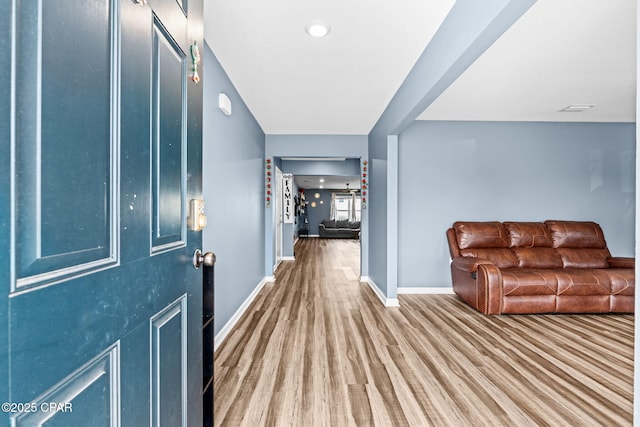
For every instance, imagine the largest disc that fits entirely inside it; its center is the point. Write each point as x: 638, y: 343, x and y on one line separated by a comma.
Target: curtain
x: 352, y: 208
x: 333, y: 206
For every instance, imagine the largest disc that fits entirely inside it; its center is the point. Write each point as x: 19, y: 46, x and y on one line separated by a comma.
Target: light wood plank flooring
x: 317, y: 348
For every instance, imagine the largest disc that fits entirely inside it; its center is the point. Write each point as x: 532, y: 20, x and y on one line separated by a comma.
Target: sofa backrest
x: 532, y: 244
x: 488, y: 240
x: 580, y: 244
x: 549, y: 244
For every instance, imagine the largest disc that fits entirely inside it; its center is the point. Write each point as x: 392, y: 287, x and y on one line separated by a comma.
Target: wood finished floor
x: 317, y: 348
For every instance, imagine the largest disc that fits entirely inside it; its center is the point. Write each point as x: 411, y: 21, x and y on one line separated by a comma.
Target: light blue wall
x: 348, y: 167
x: 468, y: 30
x: 378, y: 216
x: 321, y: 211
x: 349, y: 146
x: 233, y: 190
x: 485, y: 171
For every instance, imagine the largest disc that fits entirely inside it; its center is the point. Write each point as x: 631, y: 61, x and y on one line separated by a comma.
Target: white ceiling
x: 340, y: 84
x: 560, y: 52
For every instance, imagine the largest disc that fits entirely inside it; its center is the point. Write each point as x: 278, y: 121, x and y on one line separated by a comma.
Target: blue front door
x: 100, y: 144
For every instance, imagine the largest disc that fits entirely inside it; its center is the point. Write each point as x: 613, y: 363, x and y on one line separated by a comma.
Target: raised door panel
x: 168, y: 111
x: 66, y: 153
x: 168, y: 366
x: 89, y: 396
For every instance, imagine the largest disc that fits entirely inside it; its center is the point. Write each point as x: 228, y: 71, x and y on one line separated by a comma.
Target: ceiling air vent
x: 577, y: 108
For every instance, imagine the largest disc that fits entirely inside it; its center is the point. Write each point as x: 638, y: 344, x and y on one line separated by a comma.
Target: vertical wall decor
x: 287, y: 199
x: 364, y: 185
x: 195, y: 61
x: 267, y: 180
x: 303, y: 202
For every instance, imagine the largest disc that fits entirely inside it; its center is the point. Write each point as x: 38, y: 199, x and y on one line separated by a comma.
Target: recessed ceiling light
x: 318, y: 29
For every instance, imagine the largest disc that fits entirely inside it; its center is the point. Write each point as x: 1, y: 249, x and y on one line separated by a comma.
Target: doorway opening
x: 329, y: 203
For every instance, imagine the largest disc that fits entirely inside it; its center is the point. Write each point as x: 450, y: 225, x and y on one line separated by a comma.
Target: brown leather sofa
x: 539, y: 267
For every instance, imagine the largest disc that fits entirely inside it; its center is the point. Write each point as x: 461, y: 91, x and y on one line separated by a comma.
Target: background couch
x: 340, y: 229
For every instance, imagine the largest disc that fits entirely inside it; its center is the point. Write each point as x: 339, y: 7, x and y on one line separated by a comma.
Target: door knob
x: 199, y: 259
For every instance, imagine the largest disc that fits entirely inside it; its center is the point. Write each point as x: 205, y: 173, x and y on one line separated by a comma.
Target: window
x: 346, y: 206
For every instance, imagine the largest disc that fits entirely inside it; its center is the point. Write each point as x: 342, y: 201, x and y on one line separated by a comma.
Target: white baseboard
x: 288, y: 258
x: 222, y: 334
x: 387, y: 302
x: 424, y: 290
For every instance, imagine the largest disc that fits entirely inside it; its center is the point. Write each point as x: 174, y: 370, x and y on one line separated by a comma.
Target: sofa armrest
x: 469, y: 264
x: 321, y: 225
x: 621, y: 262
x: 478, y: 282
x: 489, y: 289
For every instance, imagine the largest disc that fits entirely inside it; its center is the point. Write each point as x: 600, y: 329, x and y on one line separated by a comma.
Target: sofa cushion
x: 355, y: 225
x: 538, y: 257
x: 342, y: 223
x: 529, y: 234
x: 584, y: 258
x: 525, y: 281
x: 576, y: 234
x: 481, y: 235
x: 328, y: 223
x: 583, y: 282
x: 560, y: 281
x: 621, y: 280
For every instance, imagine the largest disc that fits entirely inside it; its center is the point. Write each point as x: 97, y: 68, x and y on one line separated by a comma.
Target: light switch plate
x: 197, y: 220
